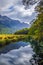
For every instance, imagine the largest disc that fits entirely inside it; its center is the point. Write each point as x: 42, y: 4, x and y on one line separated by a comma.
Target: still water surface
x: 18, y: 53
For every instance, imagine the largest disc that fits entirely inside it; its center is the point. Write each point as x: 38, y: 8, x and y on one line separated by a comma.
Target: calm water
x: 12, y: 46
x: 18, y: 53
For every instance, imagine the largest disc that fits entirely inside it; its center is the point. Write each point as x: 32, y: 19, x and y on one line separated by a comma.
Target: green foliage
x: 36, y: 30
x: 2, y: 43
x: 23, y: 31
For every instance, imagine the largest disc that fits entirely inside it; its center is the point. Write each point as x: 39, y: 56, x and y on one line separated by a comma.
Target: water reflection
x: 12, y: 46
x: 18, y: 56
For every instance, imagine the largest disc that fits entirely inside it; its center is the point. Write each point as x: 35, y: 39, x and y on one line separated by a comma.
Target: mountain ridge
x: 6, y: 22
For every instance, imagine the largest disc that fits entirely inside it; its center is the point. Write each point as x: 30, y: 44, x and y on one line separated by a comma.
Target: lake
x: 18, y: 53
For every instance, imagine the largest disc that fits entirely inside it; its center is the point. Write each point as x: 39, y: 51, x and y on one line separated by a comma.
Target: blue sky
x: 16, y: 10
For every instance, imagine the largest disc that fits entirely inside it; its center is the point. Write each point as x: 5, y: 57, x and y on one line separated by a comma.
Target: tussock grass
x: 8, y: 38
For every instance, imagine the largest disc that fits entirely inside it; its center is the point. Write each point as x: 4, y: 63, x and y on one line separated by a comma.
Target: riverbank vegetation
x: 8, y: 38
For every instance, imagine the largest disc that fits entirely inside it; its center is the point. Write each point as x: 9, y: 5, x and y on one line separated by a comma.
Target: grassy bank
x: 8, y: 38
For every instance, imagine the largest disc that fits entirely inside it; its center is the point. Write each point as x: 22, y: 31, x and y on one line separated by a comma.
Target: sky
x: 16, y: 10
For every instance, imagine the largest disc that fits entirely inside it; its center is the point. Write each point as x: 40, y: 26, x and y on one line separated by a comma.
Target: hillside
x: 23, y: 31
x: 10, y: 26
x: 36, y: 29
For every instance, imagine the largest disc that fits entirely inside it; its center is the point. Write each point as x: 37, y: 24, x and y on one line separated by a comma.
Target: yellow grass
x: 3, y: 36
x: 7, y: 38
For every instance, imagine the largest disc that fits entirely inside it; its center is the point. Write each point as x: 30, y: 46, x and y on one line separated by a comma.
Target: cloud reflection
x: 19, y: 56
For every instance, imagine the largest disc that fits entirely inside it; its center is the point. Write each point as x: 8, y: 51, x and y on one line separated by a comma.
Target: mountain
x: 9, y: 25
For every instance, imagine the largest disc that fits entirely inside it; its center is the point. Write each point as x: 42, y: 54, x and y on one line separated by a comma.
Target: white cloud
x: 19, y: 56
x: 18, y: 12
x: 5, y: 3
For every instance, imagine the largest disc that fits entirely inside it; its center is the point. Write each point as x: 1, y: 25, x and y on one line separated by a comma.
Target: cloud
x: 19, y: 56
x: 16, y: 10
x: 5, y: 3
